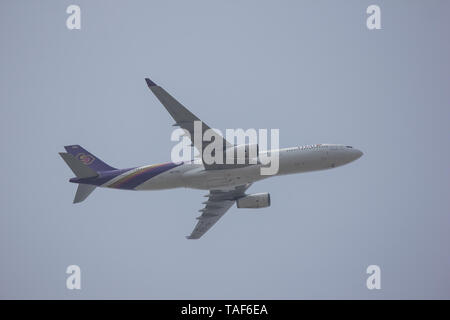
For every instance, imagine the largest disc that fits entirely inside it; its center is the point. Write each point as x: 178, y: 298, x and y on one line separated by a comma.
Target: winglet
x: 150, y: 83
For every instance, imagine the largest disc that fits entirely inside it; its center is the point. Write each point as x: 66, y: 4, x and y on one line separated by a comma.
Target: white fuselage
x: 291, y: 160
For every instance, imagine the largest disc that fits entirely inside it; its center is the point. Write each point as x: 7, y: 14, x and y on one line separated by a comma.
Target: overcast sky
x: 309, y: 68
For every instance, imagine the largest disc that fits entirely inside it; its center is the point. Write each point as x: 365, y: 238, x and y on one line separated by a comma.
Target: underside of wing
x: 184, y: 118
x: 218, y: 203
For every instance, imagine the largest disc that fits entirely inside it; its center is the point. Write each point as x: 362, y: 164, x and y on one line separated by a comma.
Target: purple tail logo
x: 87, y: 159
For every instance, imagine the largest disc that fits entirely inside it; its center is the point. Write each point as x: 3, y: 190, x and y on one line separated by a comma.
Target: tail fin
x: 83, y: 191
x: 88, y: 158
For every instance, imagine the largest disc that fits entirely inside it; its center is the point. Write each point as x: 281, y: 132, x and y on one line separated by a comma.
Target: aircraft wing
x: 183, y: 117
x: 218, y: 203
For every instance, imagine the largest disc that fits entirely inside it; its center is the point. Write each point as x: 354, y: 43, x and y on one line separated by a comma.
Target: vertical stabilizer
x: 87, y: 158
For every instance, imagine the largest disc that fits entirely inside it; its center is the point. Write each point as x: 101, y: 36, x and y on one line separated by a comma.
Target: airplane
x: 227, y: 184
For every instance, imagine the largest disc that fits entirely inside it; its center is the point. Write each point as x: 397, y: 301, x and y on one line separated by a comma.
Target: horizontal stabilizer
x: 83, y: 191
x: 79, y: 168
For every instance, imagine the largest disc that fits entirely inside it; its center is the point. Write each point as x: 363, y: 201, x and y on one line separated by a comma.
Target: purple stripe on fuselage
x: 145, y: 175
x: 129, y: 182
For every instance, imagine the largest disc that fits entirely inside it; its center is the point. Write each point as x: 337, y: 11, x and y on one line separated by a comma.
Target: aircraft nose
x: 356, y: 154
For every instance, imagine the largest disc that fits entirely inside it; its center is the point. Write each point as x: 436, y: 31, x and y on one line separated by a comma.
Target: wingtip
x: 150, y: 83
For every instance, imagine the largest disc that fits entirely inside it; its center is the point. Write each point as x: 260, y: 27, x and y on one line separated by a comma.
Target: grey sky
x: 310, y: 68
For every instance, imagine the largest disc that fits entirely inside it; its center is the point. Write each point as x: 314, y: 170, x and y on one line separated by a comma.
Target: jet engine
x: 256, y: 200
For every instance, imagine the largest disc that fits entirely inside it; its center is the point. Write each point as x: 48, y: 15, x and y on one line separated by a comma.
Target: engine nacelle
x: 256, y: 200
x: 243, y: 153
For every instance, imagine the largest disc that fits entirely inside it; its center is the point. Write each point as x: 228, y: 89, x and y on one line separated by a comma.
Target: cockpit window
x: 349, y: 146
